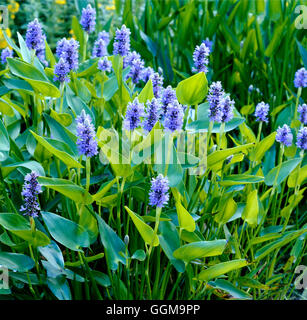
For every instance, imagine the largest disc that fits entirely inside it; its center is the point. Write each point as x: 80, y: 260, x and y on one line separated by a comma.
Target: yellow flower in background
x: 13, y: 7
x: 72, y: 34
x: 111, y: 7
x: 12, y: 16
x: 3, y: 43
x: 60, y: 1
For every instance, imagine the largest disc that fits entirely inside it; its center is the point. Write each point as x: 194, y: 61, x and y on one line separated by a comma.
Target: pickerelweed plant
x: 116, y: 185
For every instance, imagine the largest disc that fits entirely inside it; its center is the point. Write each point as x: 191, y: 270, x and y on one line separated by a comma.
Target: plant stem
x: 222, y: 128
x: 299, y: 92
x: 170, y: 147
x: 88, y: 173
x: 62, y: 87
x: 259, y: 131
x: 84, y: 46
x: 209, y: 134
x: 158, y: 213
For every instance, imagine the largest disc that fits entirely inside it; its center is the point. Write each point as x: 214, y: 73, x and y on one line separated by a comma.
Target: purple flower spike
x: 152, y: 114
x: 227, y: 106
x: 40, y: 51
x: 147, y: 73
x: 68, y: 50
x: 103, y: 35
x: 122, y: 41
x: 61, y: 47
x: 215, y: 96
x: 284, y: 135
x: 168, y: 96
x: 208, y: 43
x: 61, y: 70
x: 34, y: 35
x: 133, y: 59
x: 30, y: 191
x: 130, y: 57
x: 88, y: 19
x: 87, y: 144
x: 174, y: 116
x: 6, y: 53
x: 200, y: 57
x: 302, y: 109
x: 261, y: 111
x: 158, y: 195
x: 301, y: 139
x: 157, y: 82
x: 105, y: 64
x: 300, y: 79
x: 99, y: 49
x: 135, y: 111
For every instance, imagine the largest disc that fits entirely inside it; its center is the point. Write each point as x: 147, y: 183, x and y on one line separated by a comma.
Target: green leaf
x: 220, y: 269
x: 68, y: 189
x: 16, y: 261
x: 185, y: 219
x: 36, y: 239
x: 88, y: 68
x: 18, y: 107
x: 300, y: 175
x: 18, y: 225
x: 64, y: 119
x: 228, y: 209
x: 64, y: 156
x: 5, y: 108
x: 237, y: 179
x: 169, y: 241
x: 59, y: 132
x: 203, y: 125
x: 262, y: 147
x: 18, y: 84
x: 109, y: 88
x: 59, y: 287
x: 30, y: 165
x: 146, y: 93
x: 303, y: 53
x: 247, y: 132
x: 66, y: 232
x: 285, y: 239
x: 252, y: 283
x: 231, y: 289
x: 49, y: 55
x: 101, y: 193
x: 108, y: 141
x: 251, y: 210
x: 193, y: 90
x: 200, y: 249
x: 101, y: 278
x: 37, y: 80
x: 89, y: 223
x: 139, y: 255
x: 286, y: 168
x: 144, y: 229
x: 276, y: 39
x: 13, y: 221
x: 148, y: 145
x: 215, y: 160
x: 4, y: 138
x: 25, y: 52
x: 115, y: 249
x: 78, y: 32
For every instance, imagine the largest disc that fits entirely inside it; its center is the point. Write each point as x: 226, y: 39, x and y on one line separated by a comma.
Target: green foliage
x: 234, y: 226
